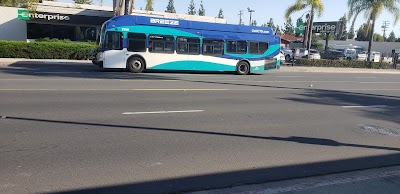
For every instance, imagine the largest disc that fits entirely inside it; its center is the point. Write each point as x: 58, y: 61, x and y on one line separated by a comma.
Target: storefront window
x: 36, y: 31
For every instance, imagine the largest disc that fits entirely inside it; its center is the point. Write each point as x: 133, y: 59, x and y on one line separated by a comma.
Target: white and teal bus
x: 140, y: 43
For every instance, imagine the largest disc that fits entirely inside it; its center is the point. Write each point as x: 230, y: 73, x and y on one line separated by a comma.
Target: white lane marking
x: 288, y: 76
x: 372, y: 106
x: 366, y: 77
x: 379, y: 82
x: 162, y: 112
x: 59, y: 72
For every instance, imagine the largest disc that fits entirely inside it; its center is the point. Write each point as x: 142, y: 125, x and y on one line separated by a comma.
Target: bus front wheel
x: 135, y: 65
x: 243, y: 68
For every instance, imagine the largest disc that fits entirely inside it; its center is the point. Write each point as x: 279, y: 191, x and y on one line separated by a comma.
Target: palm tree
x: 315, y: 6
x: 373, y: 9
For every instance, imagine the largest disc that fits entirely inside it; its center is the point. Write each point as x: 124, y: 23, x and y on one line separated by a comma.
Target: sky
x: 264, y: 10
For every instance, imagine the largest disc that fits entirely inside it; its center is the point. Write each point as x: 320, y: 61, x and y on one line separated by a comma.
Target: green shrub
x: 338, y: 63
x: 45, y: 50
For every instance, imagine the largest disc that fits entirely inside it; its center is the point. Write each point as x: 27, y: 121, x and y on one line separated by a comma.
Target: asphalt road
x: 76, y: 128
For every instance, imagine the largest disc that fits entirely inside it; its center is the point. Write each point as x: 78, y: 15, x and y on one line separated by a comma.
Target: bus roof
x: 132, y: 20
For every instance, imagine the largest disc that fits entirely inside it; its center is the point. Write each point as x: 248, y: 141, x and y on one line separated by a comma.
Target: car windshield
x: 351, y: 52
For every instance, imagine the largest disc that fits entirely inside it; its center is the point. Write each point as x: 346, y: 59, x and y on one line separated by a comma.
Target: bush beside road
x: 343, y: 64
x: 45, y: 50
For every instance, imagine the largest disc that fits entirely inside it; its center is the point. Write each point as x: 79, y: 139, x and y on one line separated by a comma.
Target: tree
x: 315, y: 6
x: 192, y: 8
x: 170, y: 7
x: 254, y: 23
x: 378, y: 38
x: 83, y: 2
x: 342, y: 34
x: 202, y: 11
x: 271, y: 23
x: 29, y: 4
x: 149, y: 5
x: 278, y: 30
x: 392, y: 37
x: 131, y: 6
x: 289, y: 28
x: 362, y: 33
x: 220, y: 14
x: 373, y: 9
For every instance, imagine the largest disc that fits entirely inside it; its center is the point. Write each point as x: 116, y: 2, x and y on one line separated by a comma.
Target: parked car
x: 333, y: 55
x: 362, y: 56
x: 288, y: 54
x: 375, y: 56
x: 350, y: 54
x: 314, y: 54
x: 281, y: 57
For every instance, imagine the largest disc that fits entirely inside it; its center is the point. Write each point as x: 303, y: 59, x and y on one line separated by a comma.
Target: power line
x: 240, y: 17
x: 250, y: 11
x: 384, y: 27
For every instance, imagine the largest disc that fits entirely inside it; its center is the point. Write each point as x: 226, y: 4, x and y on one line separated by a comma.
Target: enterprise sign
x: 325, y: 27
x: 318, y: 27
x: 26, y: 15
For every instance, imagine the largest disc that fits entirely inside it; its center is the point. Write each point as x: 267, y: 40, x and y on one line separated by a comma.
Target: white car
x: 281, y: 57
x: 362, y: 56
x: 314, y: 54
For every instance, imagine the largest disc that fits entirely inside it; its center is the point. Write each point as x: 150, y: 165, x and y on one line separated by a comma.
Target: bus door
x: 114, y: 54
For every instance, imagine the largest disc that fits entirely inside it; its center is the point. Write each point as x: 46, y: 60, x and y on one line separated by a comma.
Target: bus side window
x: 187, y: 45
x: 258, y: 47
x: 161, y: 43
x: 236, y: 47
x: 213, y: 47
x: 136, y: 42
x: 114, y: 40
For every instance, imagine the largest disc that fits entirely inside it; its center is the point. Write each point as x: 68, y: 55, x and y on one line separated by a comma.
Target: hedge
x: 45, y: 50
x: 341, y: 63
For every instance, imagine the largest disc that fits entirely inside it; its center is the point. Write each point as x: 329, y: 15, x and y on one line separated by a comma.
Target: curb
x: 10, y: 61
x: 349, y: 182
x: 336, y: 70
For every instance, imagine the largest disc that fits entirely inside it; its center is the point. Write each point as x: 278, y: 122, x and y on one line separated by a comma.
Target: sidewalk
x: 380, y: 180
x: 287, y: 68
x: 10, y: 61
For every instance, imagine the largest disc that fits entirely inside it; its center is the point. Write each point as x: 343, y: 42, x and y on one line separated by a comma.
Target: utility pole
x: 384, y: 27
x: 240, y: 17
x: 250, y: 11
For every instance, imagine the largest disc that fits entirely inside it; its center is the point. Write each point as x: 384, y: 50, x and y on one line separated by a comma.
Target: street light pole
x: 250, y: 11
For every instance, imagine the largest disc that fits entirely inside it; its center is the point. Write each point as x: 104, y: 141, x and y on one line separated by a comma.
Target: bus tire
x: 243, y: 68
x: 135, y: 65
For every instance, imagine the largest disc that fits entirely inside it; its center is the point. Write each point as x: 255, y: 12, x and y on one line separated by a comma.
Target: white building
x: 72, y: 21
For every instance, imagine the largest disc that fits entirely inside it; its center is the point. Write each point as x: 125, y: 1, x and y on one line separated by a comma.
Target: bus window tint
x: 237, y: 47
x: 263, y: 47
x: 114, y: 40
x: 161, y: 44
x: 213, y: 47
x: 136, y: 42
x: 188, y: 45
x: 258, y: 47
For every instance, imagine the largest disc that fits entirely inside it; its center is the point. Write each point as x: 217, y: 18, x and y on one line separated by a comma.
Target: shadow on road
x: 73, y: 70
x: 302, y: 140
x: 250, y: 176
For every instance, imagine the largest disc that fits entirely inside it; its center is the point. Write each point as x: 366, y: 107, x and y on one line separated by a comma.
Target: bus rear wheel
x: 243, y: 68
x: 135, y: 65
